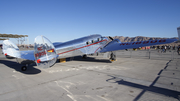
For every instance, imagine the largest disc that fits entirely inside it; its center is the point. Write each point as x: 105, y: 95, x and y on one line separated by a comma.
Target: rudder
x: 10, y: 49
x: 44, y: 52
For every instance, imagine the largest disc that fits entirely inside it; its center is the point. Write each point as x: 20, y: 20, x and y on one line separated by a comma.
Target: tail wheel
x: 23, y: 68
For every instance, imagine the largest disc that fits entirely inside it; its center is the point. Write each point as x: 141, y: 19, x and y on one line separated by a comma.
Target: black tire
x: 84, y: 56
x: 113, y: 56
x: 23, y: 68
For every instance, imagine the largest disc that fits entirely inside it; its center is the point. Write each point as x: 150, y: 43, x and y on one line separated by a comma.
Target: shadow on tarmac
x: 88, y: 59
x: 150, y: 88
x: 16, y: 66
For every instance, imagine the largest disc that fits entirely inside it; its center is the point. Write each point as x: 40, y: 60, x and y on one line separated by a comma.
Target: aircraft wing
x: 115, y: 45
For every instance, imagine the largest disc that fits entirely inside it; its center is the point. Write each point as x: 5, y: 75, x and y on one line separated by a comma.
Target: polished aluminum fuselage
x: 85, y: 45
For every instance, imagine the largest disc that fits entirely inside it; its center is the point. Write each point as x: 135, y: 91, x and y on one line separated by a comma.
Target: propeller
x: 111, y: 38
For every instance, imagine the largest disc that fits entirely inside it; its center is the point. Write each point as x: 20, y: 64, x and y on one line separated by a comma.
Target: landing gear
x: 84, y: 56
x: 112, y: 57
x: 24, y: 68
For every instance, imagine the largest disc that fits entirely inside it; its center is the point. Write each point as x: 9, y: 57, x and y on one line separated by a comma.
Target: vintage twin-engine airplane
x: 46, y: 53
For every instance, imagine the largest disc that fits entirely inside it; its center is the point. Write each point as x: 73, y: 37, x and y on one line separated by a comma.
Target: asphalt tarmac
x: 135, y: 76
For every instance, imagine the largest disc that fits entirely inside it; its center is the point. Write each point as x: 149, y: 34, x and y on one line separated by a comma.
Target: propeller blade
x: 111, y: 38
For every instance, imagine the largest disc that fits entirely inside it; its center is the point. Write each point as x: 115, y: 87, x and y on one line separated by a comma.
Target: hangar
x: 20, y: 38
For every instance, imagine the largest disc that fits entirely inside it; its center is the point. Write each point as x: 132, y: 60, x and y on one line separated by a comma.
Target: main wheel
x: 84, y: 56
x: 112, y: 57
x: 23, y: 68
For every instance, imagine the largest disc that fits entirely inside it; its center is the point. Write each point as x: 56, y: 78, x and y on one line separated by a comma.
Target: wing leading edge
x: 114, y: 45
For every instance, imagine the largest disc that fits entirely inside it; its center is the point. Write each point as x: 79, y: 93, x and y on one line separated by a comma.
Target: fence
x: 149, y: 54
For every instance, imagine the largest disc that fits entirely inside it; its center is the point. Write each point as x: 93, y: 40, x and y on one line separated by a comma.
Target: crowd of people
x: 165, y: 48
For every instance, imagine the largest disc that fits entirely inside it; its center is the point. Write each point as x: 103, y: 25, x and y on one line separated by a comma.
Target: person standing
x: 165, y: 49
x: 178, y: 50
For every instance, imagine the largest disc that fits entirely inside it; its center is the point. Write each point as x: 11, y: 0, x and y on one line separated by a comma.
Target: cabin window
x: 87, y: 43
x: 92, y: 41
x: 98, y: 39
x: 101, y: 38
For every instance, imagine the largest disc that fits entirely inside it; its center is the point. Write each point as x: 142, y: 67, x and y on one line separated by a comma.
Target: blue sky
x: 63, y: 20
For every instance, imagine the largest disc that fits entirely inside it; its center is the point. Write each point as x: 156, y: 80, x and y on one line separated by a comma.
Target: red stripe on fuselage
x: 98, y: 48
x: 81, y: 47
